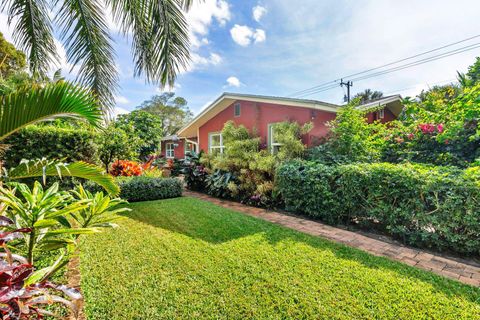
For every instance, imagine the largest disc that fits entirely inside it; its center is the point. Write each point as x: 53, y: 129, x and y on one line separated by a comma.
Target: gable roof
x: 394, y: 103
x: 226, y: 99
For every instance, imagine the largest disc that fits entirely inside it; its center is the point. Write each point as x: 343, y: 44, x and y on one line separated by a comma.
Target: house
x: 259, y: 113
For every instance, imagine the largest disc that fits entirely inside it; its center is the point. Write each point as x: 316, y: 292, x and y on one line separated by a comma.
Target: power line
x: 302, y: 92
x: 404, y: 66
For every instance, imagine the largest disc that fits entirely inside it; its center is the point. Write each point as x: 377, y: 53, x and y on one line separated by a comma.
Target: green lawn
x: 188, y: 259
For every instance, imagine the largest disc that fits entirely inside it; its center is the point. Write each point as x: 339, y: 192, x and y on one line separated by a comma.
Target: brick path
x: 464, y: 271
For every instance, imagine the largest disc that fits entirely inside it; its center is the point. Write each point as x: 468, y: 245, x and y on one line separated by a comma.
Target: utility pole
x: 348, y: 84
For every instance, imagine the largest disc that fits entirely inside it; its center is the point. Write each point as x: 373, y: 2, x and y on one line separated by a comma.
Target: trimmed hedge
x: 51, y: 142
x: 435, y: 207
x: 145, y: 188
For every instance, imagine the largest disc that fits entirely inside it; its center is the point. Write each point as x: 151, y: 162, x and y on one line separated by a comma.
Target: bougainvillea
x: 126, y: 168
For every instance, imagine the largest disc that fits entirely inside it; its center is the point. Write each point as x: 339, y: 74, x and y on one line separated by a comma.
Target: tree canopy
x: 368, y: 95
x: 11, y: 59
x: 147, y: 128
x: 173, y: 111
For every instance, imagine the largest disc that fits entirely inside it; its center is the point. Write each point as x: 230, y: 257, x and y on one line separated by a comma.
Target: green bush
x: 51, y: 142
x: 145, y: 188
x: 435, y: 207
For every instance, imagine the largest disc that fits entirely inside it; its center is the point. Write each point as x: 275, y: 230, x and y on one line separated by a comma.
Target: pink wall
x: 260, y: 115
x: 179, y: 151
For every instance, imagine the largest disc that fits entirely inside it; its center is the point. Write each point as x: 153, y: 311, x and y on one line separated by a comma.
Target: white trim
x: 271, y: 141
x: 170, y: 152
x: 220, y: 147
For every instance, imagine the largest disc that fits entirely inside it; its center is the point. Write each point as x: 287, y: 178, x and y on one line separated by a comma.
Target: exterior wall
x: 179, y: 151
x: 257, y: 116
x: 388, y: 116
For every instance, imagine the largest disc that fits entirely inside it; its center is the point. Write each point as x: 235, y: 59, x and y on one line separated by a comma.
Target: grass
x: 185, y: 258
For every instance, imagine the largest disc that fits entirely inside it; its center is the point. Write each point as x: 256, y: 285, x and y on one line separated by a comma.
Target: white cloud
x: 244, y: 35
x: 199, y: 62
x: 201, y: 16
x: 68, y: 69
x: 121, y: 100
x: 118, y: 111
x: 259, y: 35
x: 258, y: 12
x: 5, y: 28
x: 233, y: 82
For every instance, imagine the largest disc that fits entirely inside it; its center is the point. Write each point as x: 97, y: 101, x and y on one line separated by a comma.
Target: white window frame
x: 170, y: 150
x: 271, y: 141
x: 220, y: 147
x: 381, y: 113
x: 237, y: 104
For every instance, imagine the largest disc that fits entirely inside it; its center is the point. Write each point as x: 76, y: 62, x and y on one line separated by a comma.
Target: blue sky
x: 278, y: 47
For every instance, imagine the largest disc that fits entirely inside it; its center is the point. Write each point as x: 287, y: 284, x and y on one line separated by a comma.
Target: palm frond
x: 159, y: 36
x: 27, y: 106
x: 33, y: 33
x: 88, y: 44
x: 44, y: 168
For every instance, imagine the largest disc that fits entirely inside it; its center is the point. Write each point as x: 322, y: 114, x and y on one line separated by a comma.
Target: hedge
x: 36, y: 142
x: 145, y: 188
x: 434, y: 207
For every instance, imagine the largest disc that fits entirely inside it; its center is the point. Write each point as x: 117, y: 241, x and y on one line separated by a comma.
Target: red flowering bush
x: 430, y: 128
x: 126, y: 168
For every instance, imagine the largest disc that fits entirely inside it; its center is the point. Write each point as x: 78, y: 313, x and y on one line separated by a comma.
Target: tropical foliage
x: 173, y: 111
x: 24, y: 292
x: 157, y: 29
x: 145, y: 131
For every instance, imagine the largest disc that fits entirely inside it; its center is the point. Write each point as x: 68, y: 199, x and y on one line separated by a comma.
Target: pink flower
x: 410, y: 136
x: 440, y: 127
x: 399, y: 140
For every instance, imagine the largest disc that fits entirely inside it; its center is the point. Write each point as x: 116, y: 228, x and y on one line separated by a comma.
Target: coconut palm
x: 157, y: 29
x: 368, y: 95
x: 61, y: 99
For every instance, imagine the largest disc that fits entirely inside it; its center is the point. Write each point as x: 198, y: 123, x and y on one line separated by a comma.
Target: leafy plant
x: 126, y: 168
x: 194, y: 172
x: 101, y: 212
x: 115, y: 143
x: 61, y: 99
x: 23, y: 291
x: 145, y: 188
x: 435, y: 207
x: 45, y: 214
x: 160, y: 52
x: 220, y: 184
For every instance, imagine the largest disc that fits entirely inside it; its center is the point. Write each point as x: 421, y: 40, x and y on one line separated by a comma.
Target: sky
x: 279, y: 47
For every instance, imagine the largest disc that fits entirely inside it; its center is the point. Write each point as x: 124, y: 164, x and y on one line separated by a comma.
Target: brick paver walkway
x: 463, y: 271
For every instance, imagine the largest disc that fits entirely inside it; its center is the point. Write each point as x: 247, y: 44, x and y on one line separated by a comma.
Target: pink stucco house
x: 259, y: 113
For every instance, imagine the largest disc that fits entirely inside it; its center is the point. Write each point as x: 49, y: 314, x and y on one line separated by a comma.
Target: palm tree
x: 157, y: 29
x: 368, y: 95
x: 32, y: 105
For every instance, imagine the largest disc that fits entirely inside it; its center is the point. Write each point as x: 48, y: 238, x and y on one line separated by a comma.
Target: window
x: 215, y: 143
x: 274, y: 146
x: 189, y: 147
x: 381, y: 113
x: 236, y: 108
x: 170, y: 150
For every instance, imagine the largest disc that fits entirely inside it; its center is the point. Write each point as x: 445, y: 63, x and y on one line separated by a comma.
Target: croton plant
x: 24, y: 292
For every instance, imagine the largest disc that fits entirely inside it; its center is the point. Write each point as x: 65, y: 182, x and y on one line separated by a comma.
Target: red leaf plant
x: 21, y: 296
x: 125, y: 168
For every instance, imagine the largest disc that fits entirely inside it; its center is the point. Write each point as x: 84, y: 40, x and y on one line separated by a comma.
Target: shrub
x: 245, y: 171
x: 51, y: 142
x: 436, y: 207
x: 194, y: 172
x: 125, y: 168
x: 145, y: 188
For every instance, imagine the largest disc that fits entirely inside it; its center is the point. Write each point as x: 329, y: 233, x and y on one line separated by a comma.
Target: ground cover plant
x: 185, y: 258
